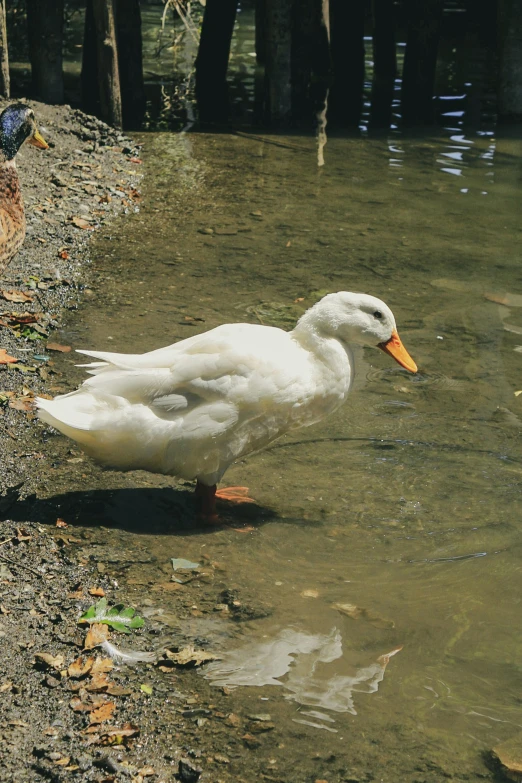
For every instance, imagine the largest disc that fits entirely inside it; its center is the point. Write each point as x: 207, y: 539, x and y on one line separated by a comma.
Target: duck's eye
x: 377, y: 314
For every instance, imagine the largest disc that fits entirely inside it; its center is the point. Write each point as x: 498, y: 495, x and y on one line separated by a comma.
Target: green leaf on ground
x: 117, y: 617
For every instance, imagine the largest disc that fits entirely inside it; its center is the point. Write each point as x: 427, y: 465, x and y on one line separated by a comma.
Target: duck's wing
x: 239, y: 363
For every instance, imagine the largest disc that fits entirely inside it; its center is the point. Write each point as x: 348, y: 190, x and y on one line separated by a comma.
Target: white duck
x: 192, y: 408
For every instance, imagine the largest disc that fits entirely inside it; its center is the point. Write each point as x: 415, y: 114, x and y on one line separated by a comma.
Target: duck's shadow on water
x: 151, y: 510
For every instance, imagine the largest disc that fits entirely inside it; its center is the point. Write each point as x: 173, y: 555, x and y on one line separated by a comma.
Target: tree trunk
x: 510, y: 72
x: 5, y: 89
x: 420, y: 61
x: 347, y: 50
x: 384, y: 63
x: 278, y: 60
x: 130, y: 62
x: 212, y: 60
x: 45, y: 34
x: 89, y: 75
x: 107, y: 58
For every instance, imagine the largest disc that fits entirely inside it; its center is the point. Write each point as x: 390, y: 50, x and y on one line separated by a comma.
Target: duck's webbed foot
x: 206, y: 500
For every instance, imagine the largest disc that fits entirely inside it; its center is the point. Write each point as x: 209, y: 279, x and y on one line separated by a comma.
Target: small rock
x: 188, y: 772
x: 509, y: 755
x: 206, y: 230
x: 51, y: 682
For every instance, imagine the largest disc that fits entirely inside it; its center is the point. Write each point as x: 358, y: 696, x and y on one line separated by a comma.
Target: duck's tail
x: 72, y: 414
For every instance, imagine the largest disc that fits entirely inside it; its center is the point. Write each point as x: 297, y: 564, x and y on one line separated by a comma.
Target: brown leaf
x: 5, y: 358
x: 22, y: 403
x: 63, y: 761
x: 98, y: 591
x: 81, y: 223
x: 16, y: 296
x: 128, y: 730
x: 52, y: 661
x: 146, y: 772
x: 80, y: 667
x: 135, y: 160
x: 102, y: 665
x: 61, y: 523
x: 98, y: 684
x: 189, y: 656
x: 103, y: 713
x: 97, y: 633
x: 6, y: 686
x: 58, y: 347
x: 63, y: 254
x: 86, y: 703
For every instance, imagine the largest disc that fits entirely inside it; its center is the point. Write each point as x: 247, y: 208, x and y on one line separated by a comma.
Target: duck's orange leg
x: 206, y: 499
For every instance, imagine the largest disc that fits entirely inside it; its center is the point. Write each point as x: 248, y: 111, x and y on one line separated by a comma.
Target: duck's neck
x: 327, y: 348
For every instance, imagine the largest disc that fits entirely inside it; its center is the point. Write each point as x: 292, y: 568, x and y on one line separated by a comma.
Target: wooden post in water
x: 278, y: 61
x: 130, y: 62
x: 212, y: 60
x: 420, y: 61
x: 347, y: 52
x: 45, y: 34
x: 510, y: 72
x: 384, y: 63
x: 107, y: 60
x: 310, y: 58
x: 5, y: 88
x: 89, y: 74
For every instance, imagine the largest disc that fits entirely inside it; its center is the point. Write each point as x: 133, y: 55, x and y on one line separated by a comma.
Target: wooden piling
x: 89, y: 75
x: 130, y: 62
x: 212, y: 60
x: 107, y: 61
x: 5, y: 88
x: 311, y: 72
x: 278, y: 68
x: 347, y: 52
x: 510, y: 70
x: 384, y: 63
x: 420, y: 60
x: 45, y: 34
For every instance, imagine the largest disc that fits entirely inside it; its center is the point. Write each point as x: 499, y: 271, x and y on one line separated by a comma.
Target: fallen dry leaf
x: 146, y: 772
x: 97, y: 633
x: 98, y: 591
x: 135, y: 160
x: 81, y: 223
x: 63, y: 761
x: 5, y: 358
x: 5, y: 686
x: 80, y: 667
x: 58, y: 347
x: 52, y: 661
x: 86, y: 703
x: 63, y: 254
x: 189, y: 656
x: 99, y: 684
x: 61, y: 523
x: 22, y: 403
x: 103, y: 713
x: 16, y: 296
x: 102, y: 665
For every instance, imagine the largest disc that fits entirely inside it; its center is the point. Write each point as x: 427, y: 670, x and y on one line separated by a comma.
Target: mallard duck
x: 17, y: 124
x: 193, y: 408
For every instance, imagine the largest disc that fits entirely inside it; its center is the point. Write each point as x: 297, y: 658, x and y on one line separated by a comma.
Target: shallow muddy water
x: 386, y: 546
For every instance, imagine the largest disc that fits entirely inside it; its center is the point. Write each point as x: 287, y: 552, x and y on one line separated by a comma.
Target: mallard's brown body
x: 12, y: 215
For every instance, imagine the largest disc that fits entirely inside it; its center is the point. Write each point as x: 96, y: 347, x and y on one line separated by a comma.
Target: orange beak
x: 396, y: 349
x: 37, y: 140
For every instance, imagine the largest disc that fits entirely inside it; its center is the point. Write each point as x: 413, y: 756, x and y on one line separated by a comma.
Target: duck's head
x: 17, y: 124
x: 360, y: 319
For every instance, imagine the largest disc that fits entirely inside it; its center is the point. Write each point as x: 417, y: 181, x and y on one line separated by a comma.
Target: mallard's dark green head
x: 17, y: 124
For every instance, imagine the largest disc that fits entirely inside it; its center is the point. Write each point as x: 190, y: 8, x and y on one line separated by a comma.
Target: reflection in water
x: 304, y: 658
